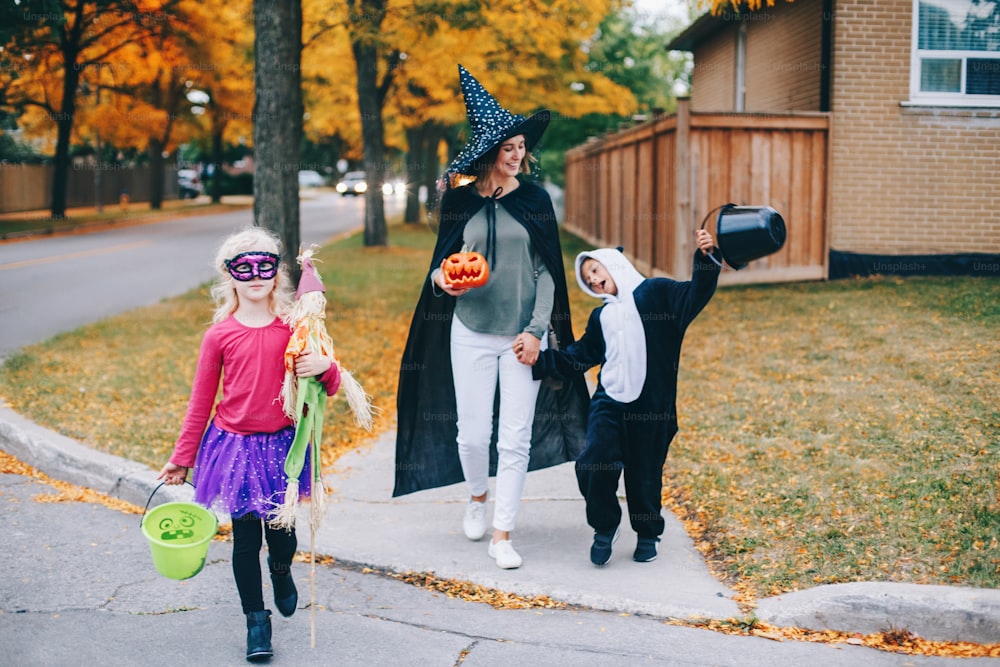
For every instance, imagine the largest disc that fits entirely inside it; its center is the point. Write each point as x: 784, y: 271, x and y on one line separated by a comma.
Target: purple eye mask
x: 249, y: 265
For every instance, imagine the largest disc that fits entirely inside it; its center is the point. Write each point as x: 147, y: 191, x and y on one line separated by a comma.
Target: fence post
x: 680, y: 267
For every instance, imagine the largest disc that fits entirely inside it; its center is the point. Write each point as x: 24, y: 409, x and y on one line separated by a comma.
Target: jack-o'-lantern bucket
x: 178, y: 534
x: 746, y: 233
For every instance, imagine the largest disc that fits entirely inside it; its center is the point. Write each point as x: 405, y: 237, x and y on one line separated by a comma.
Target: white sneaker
x: 474, y: 523
x: 503, y: 552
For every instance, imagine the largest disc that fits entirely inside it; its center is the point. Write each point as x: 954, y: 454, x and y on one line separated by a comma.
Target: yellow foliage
x: 717, y: 6
x: 528, y: 58
x: 135, y: 67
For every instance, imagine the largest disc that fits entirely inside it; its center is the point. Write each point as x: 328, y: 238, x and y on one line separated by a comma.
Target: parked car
x: 352, y: 183
x: 311, y: 179
x: 189, y: 183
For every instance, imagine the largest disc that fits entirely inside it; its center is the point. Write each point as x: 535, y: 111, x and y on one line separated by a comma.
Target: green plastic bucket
x: 178, y: 535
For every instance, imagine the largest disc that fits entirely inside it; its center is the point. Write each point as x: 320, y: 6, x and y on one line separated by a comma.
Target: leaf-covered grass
x: 844, y: 431
x: 829, y: 432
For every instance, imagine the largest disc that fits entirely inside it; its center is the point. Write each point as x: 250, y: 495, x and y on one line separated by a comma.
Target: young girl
x: 239, y: 464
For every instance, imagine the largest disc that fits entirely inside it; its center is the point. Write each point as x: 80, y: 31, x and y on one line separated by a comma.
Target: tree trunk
x: 168, y: 94
x: 366, y: 21
x: 64, y: 128
x: 215, y: 183
x: 64, y: 121
x: 431, y: 166
x: 156, y: 174
x: 422, y: 167
x: 415, y: 157
x: 277, y: 131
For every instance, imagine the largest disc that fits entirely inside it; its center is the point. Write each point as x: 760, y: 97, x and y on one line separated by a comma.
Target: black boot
x: 286, y: 597
x: 259, y: 636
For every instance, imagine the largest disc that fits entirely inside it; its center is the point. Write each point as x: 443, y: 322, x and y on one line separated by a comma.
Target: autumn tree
x: 167, y: 64
x: 629, y: 51
x: 406, y: 53
x: 228, y: 84
x: 368, y: 45
x: 538, y: 59
x: 277, y: 114
x: 48, y: 45
x: 716, y: 6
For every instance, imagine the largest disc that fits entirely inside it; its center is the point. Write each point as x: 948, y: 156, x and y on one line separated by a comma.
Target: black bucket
x: 746, y: 233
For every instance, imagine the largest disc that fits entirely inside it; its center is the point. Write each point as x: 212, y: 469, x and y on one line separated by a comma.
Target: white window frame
x: 948, y: 99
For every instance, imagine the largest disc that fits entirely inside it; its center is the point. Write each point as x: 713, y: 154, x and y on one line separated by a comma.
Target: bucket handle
x: 721, y: 209
x: 146, y: 509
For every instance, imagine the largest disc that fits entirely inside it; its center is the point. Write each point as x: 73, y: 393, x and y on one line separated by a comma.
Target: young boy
x: 636, y: 337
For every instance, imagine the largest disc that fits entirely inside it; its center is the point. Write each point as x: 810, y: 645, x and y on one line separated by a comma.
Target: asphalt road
x: 51, y: 285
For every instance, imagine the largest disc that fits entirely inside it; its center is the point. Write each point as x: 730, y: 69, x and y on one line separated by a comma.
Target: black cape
x: 426, y: 447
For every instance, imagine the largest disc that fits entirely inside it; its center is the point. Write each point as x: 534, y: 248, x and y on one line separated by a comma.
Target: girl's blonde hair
x: 224, y: 294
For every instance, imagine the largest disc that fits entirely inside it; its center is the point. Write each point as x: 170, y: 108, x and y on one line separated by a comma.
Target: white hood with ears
x: 624, y: 372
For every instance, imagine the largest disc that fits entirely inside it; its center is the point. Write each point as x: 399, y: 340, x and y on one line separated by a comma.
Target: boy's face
x: 597, y: 277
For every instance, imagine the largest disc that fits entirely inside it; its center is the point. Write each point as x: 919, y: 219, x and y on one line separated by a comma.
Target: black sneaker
x: 645, y: 549
x: 600, y: 551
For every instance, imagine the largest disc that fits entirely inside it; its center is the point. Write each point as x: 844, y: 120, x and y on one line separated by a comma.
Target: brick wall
x: 905, y: 180
x: 784, y: 57
x: 713, y: 82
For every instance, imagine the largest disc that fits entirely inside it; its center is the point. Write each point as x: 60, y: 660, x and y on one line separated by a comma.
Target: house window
x: 956, y: 53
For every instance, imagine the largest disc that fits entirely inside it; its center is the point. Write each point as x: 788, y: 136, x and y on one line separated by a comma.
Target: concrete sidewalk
x: 422, y: 532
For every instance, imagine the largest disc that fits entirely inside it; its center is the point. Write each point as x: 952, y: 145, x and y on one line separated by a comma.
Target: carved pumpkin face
x: 465, y: 269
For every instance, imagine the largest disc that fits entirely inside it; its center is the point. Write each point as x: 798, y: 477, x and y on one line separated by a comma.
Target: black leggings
x: 247, y: 543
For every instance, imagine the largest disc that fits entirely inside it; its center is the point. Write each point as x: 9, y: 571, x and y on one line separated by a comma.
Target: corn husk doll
x: 304, y: 399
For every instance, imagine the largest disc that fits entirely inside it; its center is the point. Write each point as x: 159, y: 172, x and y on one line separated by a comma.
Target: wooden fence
x: 649, y: 187
x: 28, y: 187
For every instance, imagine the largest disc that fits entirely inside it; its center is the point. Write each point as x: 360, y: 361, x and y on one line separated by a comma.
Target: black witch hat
x: 491, y: 124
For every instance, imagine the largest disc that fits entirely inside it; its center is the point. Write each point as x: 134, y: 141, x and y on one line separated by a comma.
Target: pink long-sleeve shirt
x: 253, y: 359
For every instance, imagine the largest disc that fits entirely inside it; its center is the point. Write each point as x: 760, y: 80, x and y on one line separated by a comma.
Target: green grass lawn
x: 829, y: 432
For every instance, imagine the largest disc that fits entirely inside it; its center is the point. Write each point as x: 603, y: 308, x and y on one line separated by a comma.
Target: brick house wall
x: 782, y: 61
x: 784, y: 58
x: 713, y: 81
x: 903, y: 179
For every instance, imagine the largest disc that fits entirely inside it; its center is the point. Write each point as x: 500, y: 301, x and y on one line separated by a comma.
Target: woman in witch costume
x: 468, y: 408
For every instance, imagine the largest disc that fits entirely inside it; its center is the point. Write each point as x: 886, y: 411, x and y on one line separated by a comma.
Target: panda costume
x: 636, y: 338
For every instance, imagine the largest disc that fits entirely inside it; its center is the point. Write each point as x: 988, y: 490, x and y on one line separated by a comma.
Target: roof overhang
x: 705, y: 26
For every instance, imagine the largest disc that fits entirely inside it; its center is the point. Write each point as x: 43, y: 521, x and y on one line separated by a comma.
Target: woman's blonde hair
x: 224, y: 294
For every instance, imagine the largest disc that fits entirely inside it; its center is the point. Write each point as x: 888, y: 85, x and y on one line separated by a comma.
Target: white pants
x: 477, y: 361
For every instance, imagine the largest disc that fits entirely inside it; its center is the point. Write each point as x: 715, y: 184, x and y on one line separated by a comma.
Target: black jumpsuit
x: 635, y: 436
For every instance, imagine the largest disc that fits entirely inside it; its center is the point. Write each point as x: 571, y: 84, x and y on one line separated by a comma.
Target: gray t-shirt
x: 520, y: 292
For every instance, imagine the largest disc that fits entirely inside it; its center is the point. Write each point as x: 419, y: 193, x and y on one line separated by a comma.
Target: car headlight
x: 341, y: 188
x: 361, y: 187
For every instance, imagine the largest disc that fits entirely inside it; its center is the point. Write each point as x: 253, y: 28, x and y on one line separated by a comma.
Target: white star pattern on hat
x: 491, y: 123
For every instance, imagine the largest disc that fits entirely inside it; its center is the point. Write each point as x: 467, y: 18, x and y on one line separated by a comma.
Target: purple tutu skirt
x: 245, y: 473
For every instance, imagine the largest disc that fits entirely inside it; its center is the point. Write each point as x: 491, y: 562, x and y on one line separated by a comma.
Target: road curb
x: 67, y: 460
x: 938, y: 613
